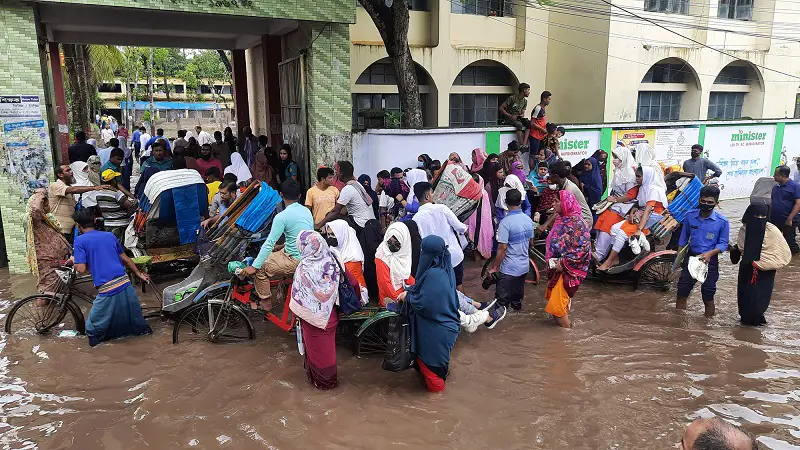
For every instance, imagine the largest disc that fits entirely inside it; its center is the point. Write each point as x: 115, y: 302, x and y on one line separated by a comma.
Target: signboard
x: 577, y: 145
x: 790, y: 152
x: 24, y: 145
x: 743, y: 153
x: 672, y: 145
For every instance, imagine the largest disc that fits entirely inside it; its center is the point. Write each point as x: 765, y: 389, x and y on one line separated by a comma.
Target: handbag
x: 398, y: 343
x: 349, y: 301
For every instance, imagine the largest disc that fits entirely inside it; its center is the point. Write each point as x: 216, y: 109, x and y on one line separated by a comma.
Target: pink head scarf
x: 478, y: 158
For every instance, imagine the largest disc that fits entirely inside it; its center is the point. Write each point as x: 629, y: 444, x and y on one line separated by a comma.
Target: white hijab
x: 239, y: 168
x: 512, y: 182
x: 650, y: 190
x: 349, y: 248
x: 92, y: 142
x: 400, y: 262
x: 82, y: 179
x: 413, y: 177
x: 646, y: 157
x: 625, y: 175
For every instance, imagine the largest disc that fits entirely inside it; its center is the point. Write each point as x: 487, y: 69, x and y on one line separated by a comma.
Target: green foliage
x: 393, y: 119
x: 105, y: 61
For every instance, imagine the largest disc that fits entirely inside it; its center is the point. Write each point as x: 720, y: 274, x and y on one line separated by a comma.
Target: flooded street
x: 631, y: 374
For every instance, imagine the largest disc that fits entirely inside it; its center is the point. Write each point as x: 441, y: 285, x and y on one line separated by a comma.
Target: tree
x: 78, y: 106
x: 209, y: 69
x: 167, y: 62
x: 391, y: 18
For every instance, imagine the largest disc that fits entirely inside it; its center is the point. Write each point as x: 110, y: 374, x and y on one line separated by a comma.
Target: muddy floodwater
x: 631, y: 374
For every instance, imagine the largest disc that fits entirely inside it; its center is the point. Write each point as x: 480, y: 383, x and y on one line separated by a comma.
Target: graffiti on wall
x: 24, y: 144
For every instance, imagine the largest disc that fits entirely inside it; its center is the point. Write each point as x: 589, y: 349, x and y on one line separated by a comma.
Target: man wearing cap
x: 114, y: 205
x: 114, y: 164
x: 62, y: 201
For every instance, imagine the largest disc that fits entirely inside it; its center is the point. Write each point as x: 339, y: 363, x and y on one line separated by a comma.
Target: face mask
x: 420, y: 164
x: 332, y: 241
x: 394, y: 248
x: 617, y: 163
x: 553, y: 187
x: 706, y: 208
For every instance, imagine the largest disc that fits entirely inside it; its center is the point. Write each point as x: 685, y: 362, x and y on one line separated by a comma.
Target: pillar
x: 271, y: 48
x: 21, y: 75
x: 328, y: 93
x: 62, y: 128
x: 240, y: 105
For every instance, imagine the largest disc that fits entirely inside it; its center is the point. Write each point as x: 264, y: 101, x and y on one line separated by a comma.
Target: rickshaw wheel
x: 372, y: 341
x: 656, y: 273
x: 232, y: 325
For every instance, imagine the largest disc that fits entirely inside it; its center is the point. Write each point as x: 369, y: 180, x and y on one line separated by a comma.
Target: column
x: 61, y: 100
x: 21, y: 75
x: 329, y: 99
x: 271, y: 48
x: 240, y: 89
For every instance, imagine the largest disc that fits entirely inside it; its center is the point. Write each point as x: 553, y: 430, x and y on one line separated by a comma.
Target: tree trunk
x: 88, y: 83
x: 150, y: 92
x: 392, y: 23
x: 127, y: 118
x: 135, y: 89
x: 166, y: 86
x: 80, y: 116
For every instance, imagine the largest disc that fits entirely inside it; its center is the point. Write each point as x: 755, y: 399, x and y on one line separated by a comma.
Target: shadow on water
x: 631, y: 374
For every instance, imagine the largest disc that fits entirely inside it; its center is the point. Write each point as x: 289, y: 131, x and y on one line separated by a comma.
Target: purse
x: 349, y: 301
x: 398, y: 343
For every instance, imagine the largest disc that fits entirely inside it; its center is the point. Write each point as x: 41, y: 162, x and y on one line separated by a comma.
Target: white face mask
x: 553, y: 187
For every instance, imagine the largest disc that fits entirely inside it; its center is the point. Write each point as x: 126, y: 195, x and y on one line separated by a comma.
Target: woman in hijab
x: 602, y: 158
x: 411, y: 204
x: 478, y: 159
x: 80, y: 171
x: 366, y: 181
x: 569, y: 247
x: 434, y: 313
x: 287, y: 168
x: 262, y: 170
x: 493, y: 175
x: 511, y: 182
x: 479, y: 224
x: 94, y: 170
x: 424, y: 162
x: 760, y: 250
x: 239, y: 168
x: 592, y: 183
x: 416, y: 244
x: 646, y: 156
x: 518, y: 170
x: 622, y: 184
x: 652, y: 199
x: 46, y: 246
x: 315, y: 293
x: 393, y: 263
x: 230, y: 139
x: 342, y: 240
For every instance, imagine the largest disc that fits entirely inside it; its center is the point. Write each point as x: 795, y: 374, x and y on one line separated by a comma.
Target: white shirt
x: 143, y: 139
x: 204, y: 138
x: 106, y: 135
x: 439, y: 220
x: 357, y: 208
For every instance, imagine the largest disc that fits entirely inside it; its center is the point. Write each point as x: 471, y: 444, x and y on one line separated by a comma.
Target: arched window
x: 477, y: 93
x: 737, y: 84
x: 669, y: 91
x: 379, y: 107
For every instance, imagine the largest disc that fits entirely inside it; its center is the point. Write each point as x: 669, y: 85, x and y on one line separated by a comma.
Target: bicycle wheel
x: 372, y: 342
x: 213, y: 321
x: 42, y: 313
x: 656, y: 273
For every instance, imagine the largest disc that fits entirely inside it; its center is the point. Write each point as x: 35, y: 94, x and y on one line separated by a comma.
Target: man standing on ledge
x: 785, y: 206
x: 513, y: 111
x: 700, y: 166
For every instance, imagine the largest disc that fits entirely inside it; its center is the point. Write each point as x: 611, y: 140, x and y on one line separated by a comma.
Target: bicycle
x: 39, y: 313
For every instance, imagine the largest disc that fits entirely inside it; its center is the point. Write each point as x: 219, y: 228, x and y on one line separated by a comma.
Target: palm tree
x: 87, y: 66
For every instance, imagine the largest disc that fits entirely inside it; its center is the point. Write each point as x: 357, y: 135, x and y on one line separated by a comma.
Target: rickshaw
x: 167, y: 222
x: 655, y: 268
x: 215, y: 303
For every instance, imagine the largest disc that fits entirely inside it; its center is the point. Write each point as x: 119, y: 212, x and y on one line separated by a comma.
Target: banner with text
x: 743, y: 153
x: 25, y: 153
x: 579, y: 144
x: 672, y: 145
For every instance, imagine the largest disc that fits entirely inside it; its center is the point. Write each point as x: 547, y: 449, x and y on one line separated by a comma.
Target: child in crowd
x: 115, y: 311
x: 550, y: 142
x: 514, y: 236
x: 321, y: 198
x: 385, y: 202
x: 538, y: 181
x: 706, y: 232
x: 213, y: 181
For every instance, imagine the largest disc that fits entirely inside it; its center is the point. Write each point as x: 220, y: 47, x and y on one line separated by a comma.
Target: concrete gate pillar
x: 271, y: 56
x: 239, y: 64
x: 62, y: 127
x: 329, y: 99
x: 21, y: 75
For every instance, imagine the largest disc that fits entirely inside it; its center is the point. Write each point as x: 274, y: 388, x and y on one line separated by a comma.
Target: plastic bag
x: 398, y: 343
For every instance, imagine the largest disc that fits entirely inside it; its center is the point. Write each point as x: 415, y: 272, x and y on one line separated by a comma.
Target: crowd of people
x: 395, y: 245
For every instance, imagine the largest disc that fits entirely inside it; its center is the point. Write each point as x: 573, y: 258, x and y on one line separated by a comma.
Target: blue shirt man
x: 706, y: 232
x: 159, y: 135
x: 137, y: 145
x: 514, y: 235
x: 786, y: 206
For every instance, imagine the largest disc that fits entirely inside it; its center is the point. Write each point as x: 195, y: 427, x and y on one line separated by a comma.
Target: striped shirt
x: 111, y: 206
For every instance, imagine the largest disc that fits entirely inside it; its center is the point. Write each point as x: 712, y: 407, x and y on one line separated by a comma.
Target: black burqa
x: 416, y: 244
x: 754, y: 288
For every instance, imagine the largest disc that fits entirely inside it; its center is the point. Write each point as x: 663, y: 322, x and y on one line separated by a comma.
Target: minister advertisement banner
x: 743, y: 153
x: 577, y: 145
